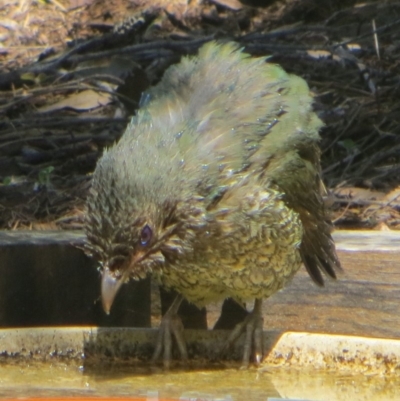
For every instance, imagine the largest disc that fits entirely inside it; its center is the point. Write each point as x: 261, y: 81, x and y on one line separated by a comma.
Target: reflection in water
x: 212, y: 384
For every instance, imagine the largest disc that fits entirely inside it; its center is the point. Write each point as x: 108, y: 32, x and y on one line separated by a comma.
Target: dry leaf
x: 82, y: 101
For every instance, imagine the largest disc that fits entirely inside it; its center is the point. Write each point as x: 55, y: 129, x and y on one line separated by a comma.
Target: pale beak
x: 109, y: 288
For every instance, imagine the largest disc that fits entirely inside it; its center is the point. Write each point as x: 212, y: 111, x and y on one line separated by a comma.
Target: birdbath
x: 336, y: 342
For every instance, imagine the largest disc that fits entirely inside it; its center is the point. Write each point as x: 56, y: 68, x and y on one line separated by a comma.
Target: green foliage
x: 44, y: 176
x: 349, y: 145
x: 7, y: 180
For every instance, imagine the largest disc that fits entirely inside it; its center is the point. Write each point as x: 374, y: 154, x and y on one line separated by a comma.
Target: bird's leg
x: 252, y: 325
x: 232, y: 313
x: 171, y: 325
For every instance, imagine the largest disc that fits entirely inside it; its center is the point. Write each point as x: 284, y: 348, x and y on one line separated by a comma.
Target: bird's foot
x: 171, y: 326
x: 252, y: 326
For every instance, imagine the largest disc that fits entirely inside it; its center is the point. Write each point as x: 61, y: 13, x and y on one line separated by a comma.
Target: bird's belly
x: 255, y: 253
x: 244, y: 270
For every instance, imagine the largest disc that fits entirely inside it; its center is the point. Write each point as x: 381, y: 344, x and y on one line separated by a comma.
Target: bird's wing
x: 297, y: 174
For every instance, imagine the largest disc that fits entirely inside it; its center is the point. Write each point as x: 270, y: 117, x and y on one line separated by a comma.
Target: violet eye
x: 146, y: 235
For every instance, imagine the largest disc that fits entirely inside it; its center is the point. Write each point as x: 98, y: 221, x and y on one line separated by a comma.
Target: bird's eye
x: 146, y: 235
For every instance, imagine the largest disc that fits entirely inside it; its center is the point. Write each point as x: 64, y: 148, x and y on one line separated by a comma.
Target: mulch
x: 72, y: 72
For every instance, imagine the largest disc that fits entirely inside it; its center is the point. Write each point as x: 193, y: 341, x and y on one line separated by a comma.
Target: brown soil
x: 72, y: 71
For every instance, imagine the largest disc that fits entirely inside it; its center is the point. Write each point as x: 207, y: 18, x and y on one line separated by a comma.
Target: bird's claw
x: 252, y: 326
x: 171, y: 326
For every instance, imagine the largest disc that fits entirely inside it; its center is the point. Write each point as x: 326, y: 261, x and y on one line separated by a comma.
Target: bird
x: 215, y: 190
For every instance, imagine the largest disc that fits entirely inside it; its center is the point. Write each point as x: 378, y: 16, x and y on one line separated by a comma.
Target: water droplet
x: 144, y: 99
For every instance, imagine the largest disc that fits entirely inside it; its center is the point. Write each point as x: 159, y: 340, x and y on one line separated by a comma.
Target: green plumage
x: 222, y: 163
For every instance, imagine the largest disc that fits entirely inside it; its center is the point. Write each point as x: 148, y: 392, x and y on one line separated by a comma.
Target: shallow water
x: 44, y: 379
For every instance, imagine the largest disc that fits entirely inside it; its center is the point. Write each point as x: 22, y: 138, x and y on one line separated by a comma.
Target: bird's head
x: 135, y: 224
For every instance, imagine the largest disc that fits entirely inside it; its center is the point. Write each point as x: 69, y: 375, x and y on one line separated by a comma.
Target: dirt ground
x: 72, y: 72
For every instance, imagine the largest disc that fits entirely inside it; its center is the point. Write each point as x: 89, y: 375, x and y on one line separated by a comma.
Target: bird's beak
x: 109, y: 288
x: 111, y: 283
